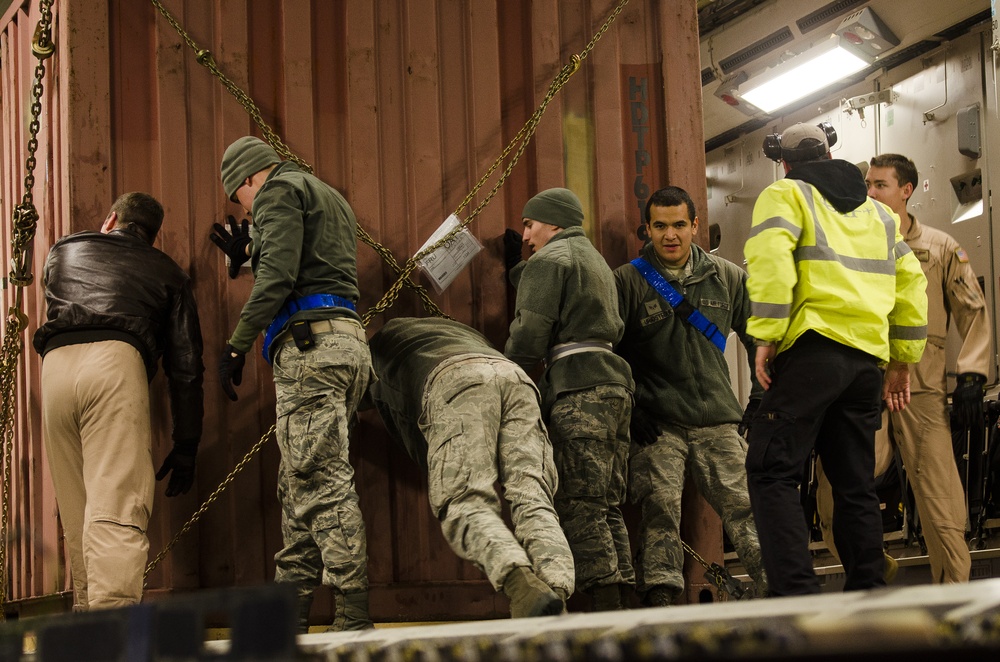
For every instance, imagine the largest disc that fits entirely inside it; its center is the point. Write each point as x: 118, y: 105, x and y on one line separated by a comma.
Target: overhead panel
x: 825, y: 14
x: 768, y: 44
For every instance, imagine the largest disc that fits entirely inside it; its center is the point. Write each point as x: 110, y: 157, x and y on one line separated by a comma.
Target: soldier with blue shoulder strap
x: 678, y: 302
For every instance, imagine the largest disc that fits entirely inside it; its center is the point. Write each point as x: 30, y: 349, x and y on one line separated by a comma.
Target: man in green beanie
x: 567, y: 317
x: 302, y: 250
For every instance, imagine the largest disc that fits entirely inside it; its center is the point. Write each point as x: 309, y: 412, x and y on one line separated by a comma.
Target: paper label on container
x: 445, y: 263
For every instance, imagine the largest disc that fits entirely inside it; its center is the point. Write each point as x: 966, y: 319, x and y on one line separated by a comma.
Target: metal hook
x: 41, y: 43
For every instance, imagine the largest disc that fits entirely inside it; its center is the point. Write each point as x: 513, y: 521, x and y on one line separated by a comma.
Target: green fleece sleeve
x: 537, y: 309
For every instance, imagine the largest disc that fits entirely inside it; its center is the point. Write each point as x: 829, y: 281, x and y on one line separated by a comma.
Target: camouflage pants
x: 482, y: 423
x: 715, y: 457
x: 590, y: 441
x: 317, y: 396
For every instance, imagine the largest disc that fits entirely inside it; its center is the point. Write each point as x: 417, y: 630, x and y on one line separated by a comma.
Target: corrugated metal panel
x: 400, y: 105
x: 35, y: 563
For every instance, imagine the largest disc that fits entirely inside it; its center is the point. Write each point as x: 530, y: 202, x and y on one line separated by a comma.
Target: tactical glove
x: 512, y: 241
x: 231, y: 370
x: 180, y: 465
x: 752, y: 405
x: 967, y: 400
x: 643, y: 429
x: 233, y: 243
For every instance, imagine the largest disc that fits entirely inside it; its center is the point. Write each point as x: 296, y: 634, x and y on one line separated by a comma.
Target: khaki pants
x: 95, y: 424
x: 922, y: 433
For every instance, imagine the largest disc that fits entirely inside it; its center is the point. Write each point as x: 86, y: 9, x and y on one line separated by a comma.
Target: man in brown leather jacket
x: 116, y: 305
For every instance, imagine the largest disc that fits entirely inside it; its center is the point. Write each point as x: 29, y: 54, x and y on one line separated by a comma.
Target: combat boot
x: 628, y: 595
x: 607, y: 597
x: 305, y: 606
x: 350, y: 612
x: 890, y: 568
x: 661, y: 596
x: 563, y: 597
x: 529, y: 595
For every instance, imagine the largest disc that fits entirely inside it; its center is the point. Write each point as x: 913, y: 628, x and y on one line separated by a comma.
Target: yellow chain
x: 205, y: 58
x: 520, y: 140
x: 212, y: 497
x: 24, y: 222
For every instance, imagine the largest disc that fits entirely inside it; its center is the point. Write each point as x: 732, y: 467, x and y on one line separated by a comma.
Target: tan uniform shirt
x: 952, y: 293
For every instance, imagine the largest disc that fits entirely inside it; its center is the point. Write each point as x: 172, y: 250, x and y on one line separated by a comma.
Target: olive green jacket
x: 303, y: 243
x: 681, y: 377
x: 566, y: 293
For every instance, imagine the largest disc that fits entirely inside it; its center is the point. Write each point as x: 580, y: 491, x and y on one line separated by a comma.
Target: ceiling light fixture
x: 797, y: 78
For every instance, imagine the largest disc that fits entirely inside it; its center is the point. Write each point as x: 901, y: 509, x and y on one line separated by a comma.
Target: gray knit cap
x: 245, y: 157
x: 555, y: 206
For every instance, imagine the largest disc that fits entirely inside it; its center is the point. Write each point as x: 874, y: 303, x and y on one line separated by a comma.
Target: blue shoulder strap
x: 677, y: 301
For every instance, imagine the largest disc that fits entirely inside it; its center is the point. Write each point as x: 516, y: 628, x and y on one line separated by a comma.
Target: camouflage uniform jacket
x: 681, y: 377
x: 303, y: 243
x: 404, y: 353
x: 566, y: 293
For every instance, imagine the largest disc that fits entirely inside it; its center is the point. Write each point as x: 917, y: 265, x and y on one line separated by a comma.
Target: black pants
x: 824, y: 395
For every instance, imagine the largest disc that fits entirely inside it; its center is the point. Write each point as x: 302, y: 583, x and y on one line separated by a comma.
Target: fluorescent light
x: 968, y: 211
x: 804, y: 74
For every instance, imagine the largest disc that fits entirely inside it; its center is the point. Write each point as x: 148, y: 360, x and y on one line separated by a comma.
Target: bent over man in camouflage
x: 567, y: 316
x: 470, y: 417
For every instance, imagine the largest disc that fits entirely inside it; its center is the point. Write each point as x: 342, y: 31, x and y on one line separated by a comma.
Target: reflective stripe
x: 776, y: 222
x: 864, y: 265
x: 771, y: 310
x: 897, y: 332
x: 822, y: 251
x: 890, y: 226
x: 901, y: 249
x: 565, y: 349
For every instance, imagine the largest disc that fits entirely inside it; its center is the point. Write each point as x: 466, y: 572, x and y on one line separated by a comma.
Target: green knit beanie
x: 555, y: 206
x: 245, y: 157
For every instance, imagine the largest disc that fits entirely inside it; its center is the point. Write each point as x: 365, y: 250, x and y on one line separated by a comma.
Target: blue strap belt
x: 677, y: 301
x: 292, y: 306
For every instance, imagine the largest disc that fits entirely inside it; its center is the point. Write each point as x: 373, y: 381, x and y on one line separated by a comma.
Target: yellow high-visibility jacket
x: 848, y: 276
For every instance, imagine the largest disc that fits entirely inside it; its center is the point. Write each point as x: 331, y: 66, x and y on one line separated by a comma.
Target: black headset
x: 774, y: 151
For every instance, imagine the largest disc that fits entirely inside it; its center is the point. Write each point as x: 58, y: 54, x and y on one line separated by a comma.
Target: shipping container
x: 402, y: 106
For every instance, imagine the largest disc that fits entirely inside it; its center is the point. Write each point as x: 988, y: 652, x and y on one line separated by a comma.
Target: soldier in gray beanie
x: 307, y: 315
x: 244, y: 158
x: 567, y: 317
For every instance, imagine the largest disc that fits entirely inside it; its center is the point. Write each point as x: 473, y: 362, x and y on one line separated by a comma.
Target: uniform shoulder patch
x: 961, y: 254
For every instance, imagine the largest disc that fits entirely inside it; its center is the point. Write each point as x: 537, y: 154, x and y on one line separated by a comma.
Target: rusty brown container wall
x: 402, y: 106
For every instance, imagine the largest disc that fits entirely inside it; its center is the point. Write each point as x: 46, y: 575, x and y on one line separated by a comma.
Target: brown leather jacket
x: 117, y: 287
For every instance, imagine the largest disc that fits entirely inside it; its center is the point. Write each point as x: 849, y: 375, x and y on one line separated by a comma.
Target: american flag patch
x: 961, y: 255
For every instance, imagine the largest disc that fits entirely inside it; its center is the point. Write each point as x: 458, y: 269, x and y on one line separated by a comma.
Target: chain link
x: 521, y: 141
x: 205, y: 58
x: 517, y: 145
x: 208, y: 502
x: 23, y: 223
x: 717, y: 574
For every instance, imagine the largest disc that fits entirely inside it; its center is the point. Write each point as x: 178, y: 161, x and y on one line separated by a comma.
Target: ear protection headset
x: 774, y: 151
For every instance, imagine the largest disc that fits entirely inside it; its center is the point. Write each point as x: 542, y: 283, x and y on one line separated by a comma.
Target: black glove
x: 231, y: 370
x: 967, y: 400
x: 180, y: 465
x: 233, y: 243
x: 643, y: 429
x: 512, y: 241
x: 748, y: 414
